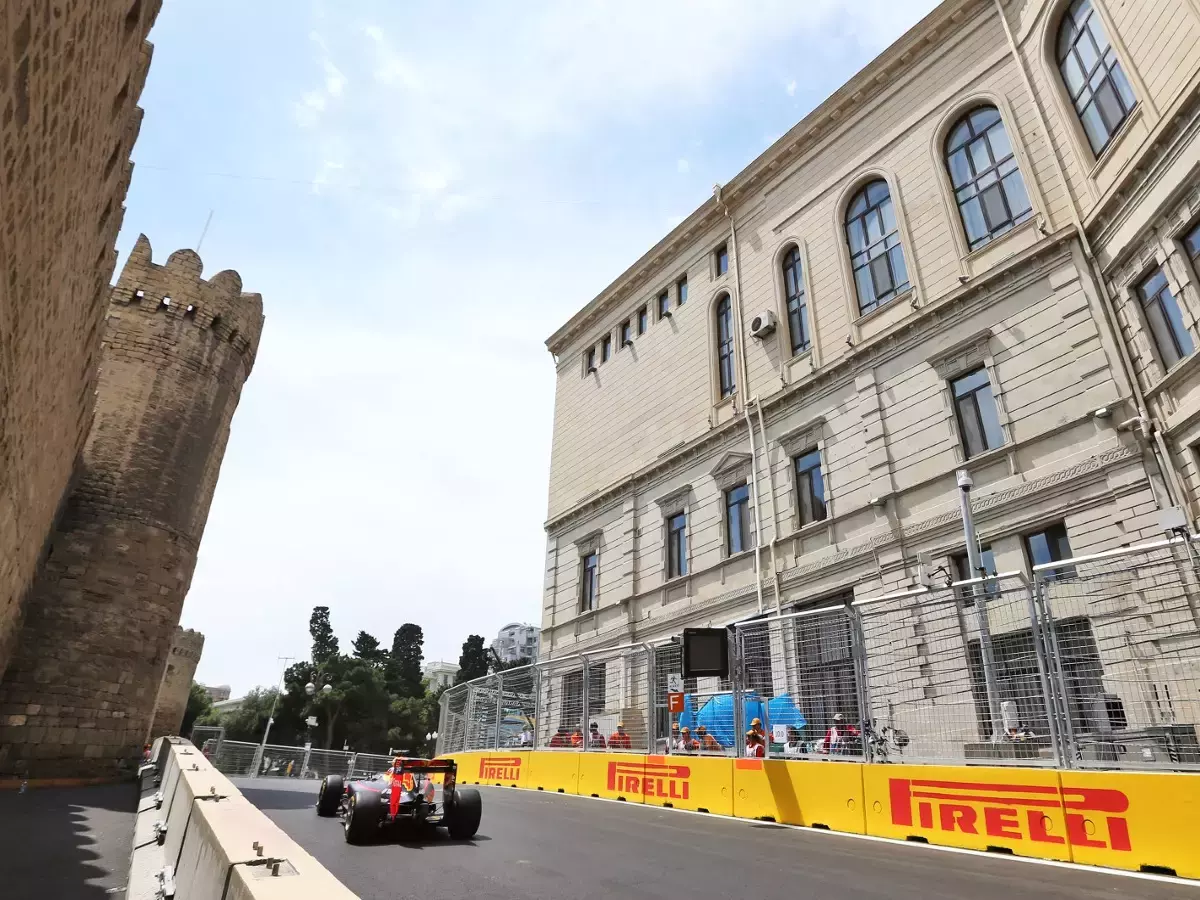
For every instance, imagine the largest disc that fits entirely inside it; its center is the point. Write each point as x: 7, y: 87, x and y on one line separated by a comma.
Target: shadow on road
x: 66, y: 843
x: 267, y: 798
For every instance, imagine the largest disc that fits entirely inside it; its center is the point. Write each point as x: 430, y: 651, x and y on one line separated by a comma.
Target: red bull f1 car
x: 416, y: 791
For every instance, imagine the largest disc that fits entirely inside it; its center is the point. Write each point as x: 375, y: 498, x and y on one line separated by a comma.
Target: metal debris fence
x: 1093, y: 662
x: 242, y: 758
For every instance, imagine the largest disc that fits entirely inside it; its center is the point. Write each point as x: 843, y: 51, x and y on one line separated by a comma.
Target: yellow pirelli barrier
x: 700, y: 783
x: 794, y: 792
x: 1134, y: 820
x: 978, y: 808
x: 615, y: 776
x: 466, y: 761
x: 555, y: 771
x: 504, y: 768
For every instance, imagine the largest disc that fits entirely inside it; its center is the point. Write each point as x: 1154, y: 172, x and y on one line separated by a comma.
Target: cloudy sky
x: 422, y: 192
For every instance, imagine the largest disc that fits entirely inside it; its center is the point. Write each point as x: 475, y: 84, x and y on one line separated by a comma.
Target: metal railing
x: 243, y: 759
x: 1093, y: 662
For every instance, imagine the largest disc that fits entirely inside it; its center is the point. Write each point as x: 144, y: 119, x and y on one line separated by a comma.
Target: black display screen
x: 705, y: 653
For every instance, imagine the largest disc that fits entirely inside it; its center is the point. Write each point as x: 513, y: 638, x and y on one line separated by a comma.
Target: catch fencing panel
x: 518, y: 707
x: 706, y: 725
x: 483, y: 708
x: 1125, y: 634
x: 799, y: 676
x: 956, y: 674
x: 452, y: 735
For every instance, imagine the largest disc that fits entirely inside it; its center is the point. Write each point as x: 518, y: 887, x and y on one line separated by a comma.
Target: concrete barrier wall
x: 1121, y: 820
x: 212, y: 833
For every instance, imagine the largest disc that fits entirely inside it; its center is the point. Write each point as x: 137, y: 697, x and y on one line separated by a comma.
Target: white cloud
x: 683, y: 166
x: 790, y: 87
x: 518, y: 75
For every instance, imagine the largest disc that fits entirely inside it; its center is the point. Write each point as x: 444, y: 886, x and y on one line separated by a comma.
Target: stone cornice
x: 878, y: 76
x: 1014, y: 274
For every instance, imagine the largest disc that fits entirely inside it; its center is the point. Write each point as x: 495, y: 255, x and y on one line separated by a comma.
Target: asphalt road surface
x: 535, y: 846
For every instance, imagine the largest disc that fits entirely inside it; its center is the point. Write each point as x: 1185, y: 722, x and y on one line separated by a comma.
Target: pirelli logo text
x: 500, y: 768
x: 1015, y: 812
x: 659, y: 780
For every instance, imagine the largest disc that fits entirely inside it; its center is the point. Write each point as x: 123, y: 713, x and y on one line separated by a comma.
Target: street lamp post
x: 262, y: 747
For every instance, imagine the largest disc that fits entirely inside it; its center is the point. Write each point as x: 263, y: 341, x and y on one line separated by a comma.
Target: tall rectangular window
x: 589, y: 360
x: 681, y: 291
x: 643, y: 318
x: 664, y: 305
x: 962, y: 572
x: 739, y: 532
x: 626, y: 333
x: 589, y: 580
x: 677, y: 545
x: 1050, y: 545
x: 721, y: 259
x: 1165, y: 318
x: 606, y: 348
x: 810, y: 487
x: 725, y: 351
x: 978, y: 422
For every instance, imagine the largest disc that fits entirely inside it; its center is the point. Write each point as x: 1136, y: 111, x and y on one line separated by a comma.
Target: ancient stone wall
x: 71, y: 72
x: 84, y: 678
x: 186, y: 648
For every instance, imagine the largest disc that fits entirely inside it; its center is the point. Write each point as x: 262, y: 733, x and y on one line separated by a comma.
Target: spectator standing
x: 619, y: 740
x: 595, y: 738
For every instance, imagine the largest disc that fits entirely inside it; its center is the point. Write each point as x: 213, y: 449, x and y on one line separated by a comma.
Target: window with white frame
x: 589, y: 580
x: 988, y: 186
x: 677, y: 564
x: 797, y: 301
x: 1093, y: 76
x: 1165, y: 318
x: 739, y: 530
x: 975, y: 409
x: 810, y: 488
x: 876, y: 252
x: 725, y: 351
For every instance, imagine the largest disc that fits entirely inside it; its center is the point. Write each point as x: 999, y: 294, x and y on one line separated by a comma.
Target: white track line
x: 1006, y: 857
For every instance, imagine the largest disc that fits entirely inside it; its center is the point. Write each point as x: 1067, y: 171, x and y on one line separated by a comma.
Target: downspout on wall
x: 1147, y: 429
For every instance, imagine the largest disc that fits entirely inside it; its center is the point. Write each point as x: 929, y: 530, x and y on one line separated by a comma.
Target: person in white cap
x: 837, y: 738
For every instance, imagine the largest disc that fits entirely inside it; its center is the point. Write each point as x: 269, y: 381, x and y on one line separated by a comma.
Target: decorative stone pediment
x: 676, y: 498
x: 803, y: 436
x: 963, y: 354
x: 731, y: 468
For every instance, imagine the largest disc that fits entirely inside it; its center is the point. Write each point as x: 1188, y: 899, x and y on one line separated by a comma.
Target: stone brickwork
x: 80, y: 691
x: 70, y: 76
x: 177, y: 682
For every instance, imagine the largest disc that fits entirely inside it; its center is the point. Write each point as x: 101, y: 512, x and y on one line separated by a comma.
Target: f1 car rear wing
x: 427, y: 765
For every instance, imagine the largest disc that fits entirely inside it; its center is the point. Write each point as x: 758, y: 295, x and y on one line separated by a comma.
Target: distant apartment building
x: 439, y: 675
x: 981, y: 253
x: 218, y: 692
x: 516, y: 642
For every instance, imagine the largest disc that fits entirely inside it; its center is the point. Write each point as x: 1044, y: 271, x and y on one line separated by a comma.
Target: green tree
x: 198, y: 704
x: 473, y: 663
x: 247, y: 722
x: 324, y: 643
x: 366, y: 648
x: 404, y: 661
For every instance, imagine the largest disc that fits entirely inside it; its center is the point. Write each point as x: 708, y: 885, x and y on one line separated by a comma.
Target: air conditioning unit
x: 762, y: 324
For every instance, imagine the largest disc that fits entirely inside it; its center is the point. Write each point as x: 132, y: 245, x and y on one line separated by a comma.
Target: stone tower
x: 186, y: 648
x: 80, y: 690
x: 70, y: 77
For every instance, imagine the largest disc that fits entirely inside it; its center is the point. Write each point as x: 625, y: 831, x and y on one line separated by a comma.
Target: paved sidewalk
x: 66, y: 843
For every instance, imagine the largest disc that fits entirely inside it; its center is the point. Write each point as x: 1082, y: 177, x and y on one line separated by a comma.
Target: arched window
x: 797, y: 301
x: 876, y: 253
x: 1094, y: 78
x: 725, y: 345
x: 987, y: 183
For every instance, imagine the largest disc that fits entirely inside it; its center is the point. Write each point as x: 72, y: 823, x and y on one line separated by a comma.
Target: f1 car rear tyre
x: 463, y: 821
x: 330, y: 796
x: 362, y: 817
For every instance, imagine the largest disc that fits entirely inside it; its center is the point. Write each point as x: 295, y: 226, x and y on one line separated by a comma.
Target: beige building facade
x: 981, y: 253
